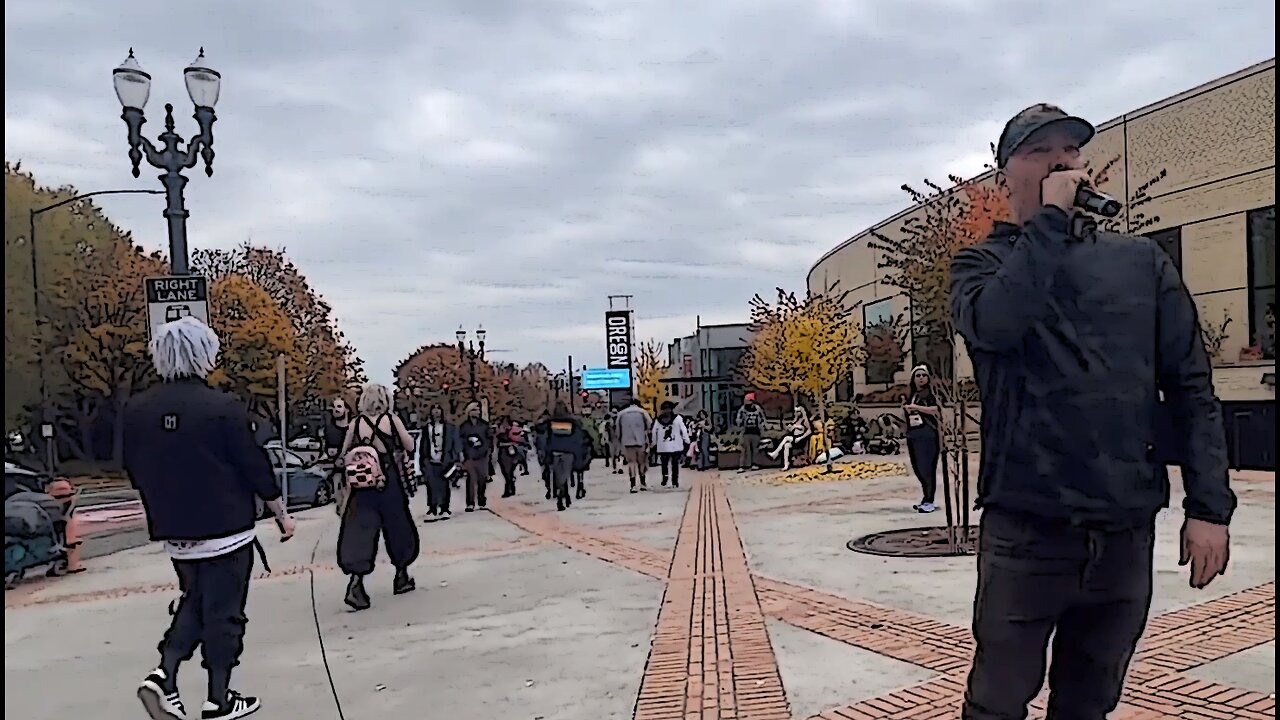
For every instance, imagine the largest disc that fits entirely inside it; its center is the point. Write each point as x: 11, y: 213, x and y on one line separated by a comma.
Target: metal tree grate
x: 917, y: 542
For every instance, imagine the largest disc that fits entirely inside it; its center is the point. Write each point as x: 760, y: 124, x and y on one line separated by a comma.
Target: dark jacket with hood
x: 565, y: 434
x: 189, y: 452
x: 1093, y: 375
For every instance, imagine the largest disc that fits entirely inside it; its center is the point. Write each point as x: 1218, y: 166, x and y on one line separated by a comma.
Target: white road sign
x: 174, y: 297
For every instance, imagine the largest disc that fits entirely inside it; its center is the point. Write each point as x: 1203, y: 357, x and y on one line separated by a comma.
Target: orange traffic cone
x: 67, y: 494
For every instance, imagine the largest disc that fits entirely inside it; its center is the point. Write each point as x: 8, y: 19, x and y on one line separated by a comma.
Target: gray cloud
x: 512, y: 163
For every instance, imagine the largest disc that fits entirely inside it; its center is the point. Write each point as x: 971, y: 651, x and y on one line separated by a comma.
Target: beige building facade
x: 1198, y: 170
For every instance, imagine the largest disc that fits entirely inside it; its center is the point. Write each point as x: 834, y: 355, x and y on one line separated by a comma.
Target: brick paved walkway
x: 711, y: 656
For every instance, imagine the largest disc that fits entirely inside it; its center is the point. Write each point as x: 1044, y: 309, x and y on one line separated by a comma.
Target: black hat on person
x: 1035, y: 118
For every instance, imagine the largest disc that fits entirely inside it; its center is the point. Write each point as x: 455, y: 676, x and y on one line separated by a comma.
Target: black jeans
x: 210, y: 615
x: 922, y: 448
x: 1090, y: 589
x: 439, y: 491
x: 507, y: 464
x: 671, y: 467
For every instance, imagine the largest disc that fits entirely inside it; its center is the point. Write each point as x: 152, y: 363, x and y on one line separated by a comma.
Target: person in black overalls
x: 923, y: 440
x: 384, y: 511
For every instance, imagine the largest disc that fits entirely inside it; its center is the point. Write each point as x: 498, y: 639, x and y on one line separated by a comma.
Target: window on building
x: 1171, y: 242
x: 1262, y: 280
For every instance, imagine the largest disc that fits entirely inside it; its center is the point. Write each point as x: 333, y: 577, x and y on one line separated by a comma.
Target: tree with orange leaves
x: 254, y: 331
x: 328, y: 364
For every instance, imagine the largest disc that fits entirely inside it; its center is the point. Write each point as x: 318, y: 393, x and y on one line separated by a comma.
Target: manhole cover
x: 917, y: 542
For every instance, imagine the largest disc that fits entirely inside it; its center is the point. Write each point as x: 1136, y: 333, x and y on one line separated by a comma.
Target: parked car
x: 310, y: 483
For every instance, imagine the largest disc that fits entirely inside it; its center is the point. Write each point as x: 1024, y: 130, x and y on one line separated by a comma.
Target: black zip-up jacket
x: 566, y: 435
x: 189, y: 452
x: 477, y: 439
x: 1073, y: 343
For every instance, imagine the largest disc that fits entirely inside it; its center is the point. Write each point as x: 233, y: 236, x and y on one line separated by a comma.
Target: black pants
x: 1089, y: 589
x: 922, y: 448
x: 560, y: 471
x: 211, y: 615
x: 478, y: 473
x: 670, y: 467
x: 507, y: 464
x: 439, y: 491
x: 371, y: 513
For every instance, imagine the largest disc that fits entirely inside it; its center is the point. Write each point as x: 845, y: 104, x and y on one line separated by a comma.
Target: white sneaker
x: 237, y: 706
x: 159, y: 701
x: 926, y: 508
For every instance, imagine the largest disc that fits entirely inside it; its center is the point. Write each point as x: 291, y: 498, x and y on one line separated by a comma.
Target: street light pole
x: 133, y: 88
x: 468, y: 354
x: 46, y: 412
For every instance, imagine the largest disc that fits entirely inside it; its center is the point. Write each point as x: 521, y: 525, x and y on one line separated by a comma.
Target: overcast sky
x: 511, y: 163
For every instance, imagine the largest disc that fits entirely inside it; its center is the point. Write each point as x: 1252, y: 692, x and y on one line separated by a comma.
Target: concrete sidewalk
x: 728, y: 597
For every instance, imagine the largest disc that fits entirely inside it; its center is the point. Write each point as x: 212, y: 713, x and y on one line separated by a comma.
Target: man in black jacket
x: 568, y: 449
x: 439, y: 452
x: 190, y: 453
x: 1088, y: 355
x: 477, y: 455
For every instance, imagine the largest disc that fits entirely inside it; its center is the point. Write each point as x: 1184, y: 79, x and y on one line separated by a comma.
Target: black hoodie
x: 1073, y: 341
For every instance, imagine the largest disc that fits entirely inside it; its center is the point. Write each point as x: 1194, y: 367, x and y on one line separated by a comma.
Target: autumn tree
x: 438, y: 374
x: 328, y: 364
x: 254, y: 331
x: 651, y: 367
x: 67, y: 237
x: 802, y: 347
x: 103, y: 342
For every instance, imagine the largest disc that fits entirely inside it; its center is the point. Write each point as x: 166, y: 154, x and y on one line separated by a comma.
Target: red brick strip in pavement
x: 1190, y: 637
x: 1155, y: 687
x: 711, y: 657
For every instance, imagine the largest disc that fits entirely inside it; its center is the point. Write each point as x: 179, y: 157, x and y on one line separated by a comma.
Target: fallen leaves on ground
x: 847, y: 471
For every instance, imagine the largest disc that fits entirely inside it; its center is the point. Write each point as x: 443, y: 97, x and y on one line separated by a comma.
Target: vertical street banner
x: 619, y: 349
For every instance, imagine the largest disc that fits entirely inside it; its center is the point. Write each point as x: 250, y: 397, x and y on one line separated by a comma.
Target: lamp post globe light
x: 133, y: 89
x: 468, y: 354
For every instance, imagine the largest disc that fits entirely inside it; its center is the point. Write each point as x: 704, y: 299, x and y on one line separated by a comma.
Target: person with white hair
x: 190, y: 453
x: 377, y: 497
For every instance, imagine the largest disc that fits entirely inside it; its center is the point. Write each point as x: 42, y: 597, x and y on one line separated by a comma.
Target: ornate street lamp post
x: 468, y: 354
x: 133, y: 88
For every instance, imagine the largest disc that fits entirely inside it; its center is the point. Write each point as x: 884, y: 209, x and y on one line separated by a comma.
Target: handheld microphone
x: 1091, y: 200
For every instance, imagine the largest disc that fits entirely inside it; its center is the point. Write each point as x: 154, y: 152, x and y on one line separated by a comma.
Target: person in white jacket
x: 671, y: 439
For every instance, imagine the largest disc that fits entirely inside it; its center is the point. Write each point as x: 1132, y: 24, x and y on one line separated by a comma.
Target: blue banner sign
x: 606, y: 379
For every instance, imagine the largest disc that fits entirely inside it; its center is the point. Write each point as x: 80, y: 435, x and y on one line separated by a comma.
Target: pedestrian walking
x: 702, y: 424
x: 508, y: 448
x: 440, y: 454
x: 477, y: 456
x: 568, y: 448
x: 332, y: 436
x: 751, y: 419
x: 190, y: 454
x: 612, y: 443
x: 1093, y: 375
x: 634, y: 426
x: 924, y: 441
x: 378, y: 497
x: 671, y: 438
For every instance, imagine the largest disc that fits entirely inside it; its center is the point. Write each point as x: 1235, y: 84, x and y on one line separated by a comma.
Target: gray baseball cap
x: 1034, y: 118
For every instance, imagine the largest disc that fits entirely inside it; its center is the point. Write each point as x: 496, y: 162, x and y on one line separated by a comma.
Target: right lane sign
x: 174, y: 297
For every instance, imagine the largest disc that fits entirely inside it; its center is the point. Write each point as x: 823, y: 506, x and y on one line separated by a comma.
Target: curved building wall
x: 1216, y: 146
